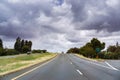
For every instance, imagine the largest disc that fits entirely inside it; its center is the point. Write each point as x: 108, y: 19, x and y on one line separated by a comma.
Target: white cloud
x: 57, y: 25
x: 113, y: 3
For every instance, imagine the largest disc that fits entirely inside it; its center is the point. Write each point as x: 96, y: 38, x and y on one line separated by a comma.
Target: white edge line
x: 30, y: 70
x: 79, y: 72
x: 111, y: 66
x: 101, y: 65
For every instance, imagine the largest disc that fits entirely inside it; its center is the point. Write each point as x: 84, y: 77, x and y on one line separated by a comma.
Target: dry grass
x: 11, y: 64
x: 91, y: 59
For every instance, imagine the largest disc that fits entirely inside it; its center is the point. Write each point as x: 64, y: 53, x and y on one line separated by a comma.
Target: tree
x: 1, y: 43
x: 26, y: 42
x: 25, y: 48
x: 111, y: 49
x: 97, y: 44
x: 73, y: 50
x: 1, y: 52
x: 1, y: 48
x: 117, y: 44
x: 30, y: 45
x: 89, y: 44
x: 22, y: 44
x: 88, y: 51
x: 44, y: 51
x: 102, y: 45
x: 17, y: 45
x: 113, y: 52
x: 117, y: 49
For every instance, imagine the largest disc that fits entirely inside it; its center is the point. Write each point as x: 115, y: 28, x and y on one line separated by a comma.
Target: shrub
x: 39, y: 51
x: 1, y: 52
x: 36, y: 51
x: 88, y: 51
x: 11, y: 52
x: 109, y: 55
x: 25, y: 49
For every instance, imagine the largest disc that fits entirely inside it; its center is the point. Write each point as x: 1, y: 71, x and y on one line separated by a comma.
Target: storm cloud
x: 57, y: 25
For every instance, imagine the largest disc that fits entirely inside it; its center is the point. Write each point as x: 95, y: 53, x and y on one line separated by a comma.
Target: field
x: 19, y: 62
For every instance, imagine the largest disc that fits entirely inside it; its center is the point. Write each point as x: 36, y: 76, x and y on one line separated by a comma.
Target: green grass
x: 8, y: 64
x: 5, y: 61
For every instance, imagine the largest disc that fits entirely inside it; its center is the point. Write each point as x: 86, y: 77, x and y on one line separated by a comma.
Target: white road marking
x: 79, y: 72
x: 111, y: 66
x: 98, y: 64
x: 101, y: 65
x: 31, y: 70
x: 70, y: 62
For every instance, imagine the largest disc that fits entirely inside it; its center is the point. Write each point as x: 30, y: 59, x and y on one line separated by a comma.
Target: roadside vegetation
x: 93, y: 49
x: 113, y: 52
x: 21, y: 56
x: 22, y: 61
x: 21, y: 46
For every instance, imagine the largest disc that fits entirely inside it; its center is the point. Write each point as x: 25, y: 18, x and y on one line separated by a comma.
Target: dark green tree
x: 26, y: 43
x: 2, y: 52
x: 103, y: 45
x: 25, y: 48
x: 1, y: 44
x: 30, y: 45
x: 17, y: 45
x: 73, y: 50
x: 1, y: 48
x: 97, y: 44
x: 88, y: 51
x: 111, y: 49
x: 22, y: 44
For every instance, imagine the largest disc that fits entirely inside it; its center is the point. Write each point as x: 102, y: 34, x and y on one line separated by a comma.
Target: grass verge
x: 91, y: 59
x: 8, y: 65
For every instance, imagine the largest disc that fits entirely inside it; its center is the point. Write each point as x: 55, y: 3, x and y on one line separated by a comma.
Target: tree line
x: 93, y: 49
x: 112, y: 52
x: 90, y: 49
x: 20, y: 46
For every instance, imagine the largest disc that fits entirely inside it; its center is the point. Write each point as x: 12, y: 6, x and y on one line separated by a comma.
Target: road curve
x: 69, y: 67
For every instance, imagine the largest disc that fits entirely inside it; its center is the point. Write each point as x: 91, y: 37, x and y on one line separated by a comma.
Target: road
x: 69, y: 67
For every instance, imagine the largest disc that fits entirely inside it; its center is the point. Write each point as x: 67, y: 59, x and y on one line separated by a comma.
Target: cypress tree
x: 17, y: 45
x: 30, y: 45
x: 1, y: 44
x: 22, y: 44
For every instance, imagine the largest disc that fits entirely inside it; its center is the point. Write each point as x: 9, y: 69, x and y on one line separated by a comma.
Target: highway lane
x: 70, y: 67
x: 95, y: 70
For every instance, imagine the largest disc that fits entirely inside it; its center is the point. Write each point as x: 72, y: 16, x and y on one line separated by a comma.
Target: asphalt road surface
x: 70, y: 67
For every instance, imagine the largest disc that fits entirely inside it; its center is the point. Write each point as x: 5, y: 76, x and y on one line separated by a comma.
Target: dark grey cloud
x: 60, y: 23
x: 26, y: 12
x: 78, y: 9
x: 94, y: 14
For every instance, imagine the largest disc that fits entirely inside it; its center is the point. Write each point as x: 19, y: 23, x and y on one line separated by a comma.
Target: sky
x: 57, y: 25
